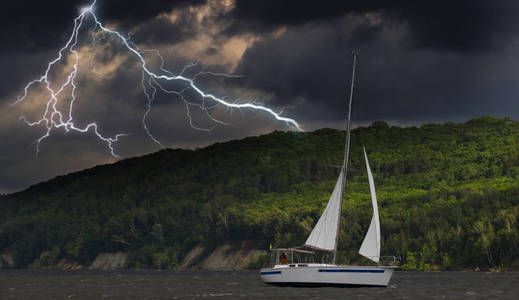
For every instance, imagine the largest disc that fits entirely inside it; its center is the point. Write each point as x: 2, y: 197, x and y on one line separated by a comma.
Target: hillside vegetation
x: 448, y: 197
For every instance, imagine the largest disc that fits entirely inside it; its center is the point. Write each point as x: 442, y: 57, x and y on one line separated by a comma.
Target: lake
x: 90, y: 284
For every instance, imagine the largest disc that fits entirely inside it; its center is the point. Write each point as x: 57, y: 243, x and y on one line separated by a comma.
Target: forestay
x: 371, y: 245
x: 324, y: 234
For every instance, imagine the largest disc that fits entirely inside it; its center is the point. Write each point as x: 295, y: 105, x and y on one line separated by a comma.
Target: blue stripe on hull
x: 321, y: 284
x: 270, y: 273
x: 350, y: 271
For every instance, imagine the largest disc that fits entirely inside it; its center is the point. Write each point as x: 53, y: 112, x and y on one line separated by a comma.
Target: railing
x: 390, y: 260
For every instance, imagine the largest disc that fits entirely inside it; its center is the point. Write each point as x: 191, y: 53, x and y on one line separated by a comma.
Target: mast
x: 346, y: 153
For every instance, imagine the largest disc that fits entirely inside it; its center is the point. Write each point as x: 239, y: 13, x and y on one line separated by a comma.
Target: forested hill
x: 448, y: 197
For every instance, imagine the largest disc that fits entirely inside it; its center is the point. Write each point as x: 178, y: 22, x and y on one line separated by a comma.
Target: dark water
x: 41, y: 284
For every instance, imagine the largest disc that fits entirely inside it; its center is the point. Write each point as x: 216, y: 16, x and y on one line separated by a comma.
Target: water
x: 52, y: 284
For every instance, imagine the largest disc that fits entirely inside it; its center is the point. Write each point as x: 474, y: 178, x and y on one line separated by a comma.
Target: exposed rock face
x: 110, y: 261
x: 219, y: 259
x: 192, y: 257
x: 67, y: 264
x: 7, y: 260
x: 46, y: 259
x: 225, y: 258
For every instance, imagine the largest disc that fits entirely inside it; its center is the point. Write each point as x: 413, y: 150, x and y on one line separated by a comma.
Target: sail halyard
x: 346, y: 154
x: 325, y: 233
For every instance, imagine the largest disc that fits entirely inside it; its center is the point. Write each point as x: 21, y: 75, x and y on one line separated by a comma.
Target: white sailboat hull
x: 327, y: 275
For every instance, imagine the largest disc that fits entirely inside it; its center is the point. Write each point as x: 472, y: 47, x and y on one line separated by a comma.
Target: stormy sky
x: 419, y: 62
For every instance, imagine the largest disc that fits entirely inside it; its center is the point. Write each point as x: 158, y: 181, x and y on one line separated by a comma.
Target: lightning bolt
x: 54, y: 118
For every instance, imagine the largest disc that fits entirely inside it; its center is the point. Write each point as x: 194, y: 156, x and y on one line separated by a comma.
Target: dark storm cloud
x: 310, y: 65
x: 19, y: 73
x: 159, y: 31
x: 420, y: 61
x: 29, y: 25
x: 462, y: 25
x: 135, y: 11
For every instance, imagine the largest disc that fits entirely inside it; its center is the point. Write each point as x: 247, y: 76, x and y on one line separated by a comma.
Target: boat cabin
x: 295, y: 257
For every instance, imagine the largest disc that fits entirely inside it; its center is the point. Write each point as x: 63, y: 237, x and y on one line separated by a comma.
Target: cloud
x: 29, y: 26
x: 109, y: 92
x: 196, y: 33
x: 309, y: 68
x: 420, y: 61
x: 467, y: 26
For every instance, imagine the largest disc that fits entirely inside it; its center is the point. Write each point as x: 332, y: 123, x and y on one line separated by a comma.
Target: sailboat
x: 324, y: 237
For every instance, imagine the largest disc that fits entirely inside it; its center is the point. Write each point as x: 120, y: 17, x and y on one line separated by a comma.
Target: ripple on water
x: 89, y: 284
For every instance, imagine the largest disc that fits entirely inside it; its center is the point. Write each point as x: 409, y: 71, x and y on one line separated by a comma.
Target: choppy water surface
x: 51, y: 284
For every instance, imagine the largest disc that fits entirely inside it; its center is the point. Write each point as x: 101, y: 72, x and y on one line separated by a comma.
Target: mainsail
x: 371, y: 245
x: 323, y: 237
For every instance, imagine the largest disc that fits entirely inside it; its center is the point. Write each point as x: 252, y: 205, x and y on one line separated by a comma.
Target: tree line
x: 448, y: 198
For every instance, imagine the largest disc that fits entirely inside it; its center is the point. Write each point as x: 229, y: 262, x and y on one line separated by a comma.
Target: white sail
x: 324, y: 234
x: 371, y: 245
